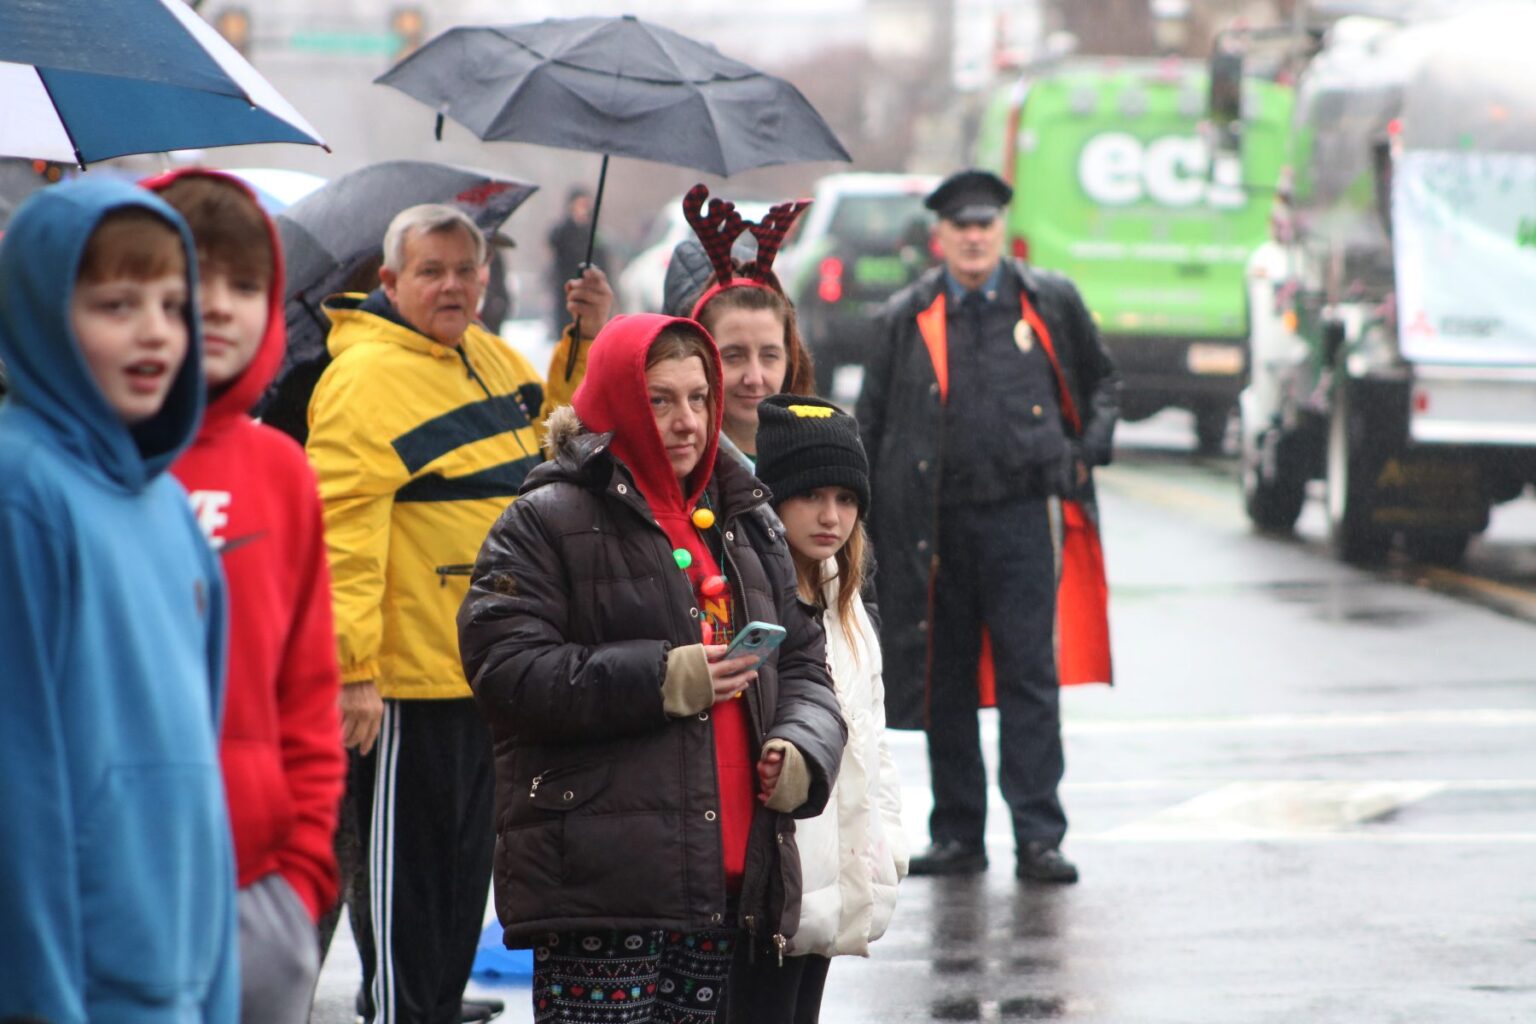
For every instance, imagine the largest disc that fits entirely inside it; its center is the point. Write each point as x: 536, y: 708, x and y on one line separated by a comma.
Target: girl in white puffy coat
x: 854, y: 853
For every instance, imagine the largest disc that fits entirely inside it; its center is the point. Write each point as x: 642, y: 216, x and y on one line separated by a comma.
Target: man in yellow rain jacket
x: 421, y: 431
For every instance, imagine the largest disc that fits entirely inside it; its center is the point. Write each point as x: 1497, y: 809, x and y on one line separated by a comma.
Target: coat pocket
x: 565, y: 789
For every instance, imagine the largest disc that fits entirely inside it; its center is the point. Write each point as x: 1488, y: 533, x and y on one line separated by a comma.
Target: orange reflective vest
x: 1082, y: 593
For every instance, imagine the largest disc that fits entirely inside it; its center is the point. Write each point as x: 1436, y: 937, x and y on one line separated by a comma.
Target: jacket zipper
x: 780, y: 943
x: 515, y: 430
x: 935, y: 485
x: 755, y: 697
x: 754, y: 706
x: 456, y: 569
x: 470, y: 370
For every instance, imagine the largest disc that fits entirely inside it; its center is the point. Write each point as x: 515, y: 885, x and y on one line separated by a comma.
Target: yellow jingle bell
x: 703, y: 518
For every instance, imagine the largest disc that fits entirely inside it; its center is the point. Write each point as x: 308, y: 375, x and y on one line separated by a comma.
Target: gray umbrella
x: 334, y: 231
x: 615, y: 86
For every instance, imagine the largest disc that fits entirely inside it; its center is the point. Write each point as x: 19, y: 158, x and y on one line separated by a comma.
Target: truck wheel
x: 1273, y: 503
x: 1351, y: 533
x: 1437, y: 548
x: 1211, y: 429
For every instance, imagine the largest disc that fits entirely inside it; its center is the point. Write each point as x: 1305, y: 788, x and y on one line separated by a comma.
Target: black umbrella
x: 615, y: 86
x: 334, y: 231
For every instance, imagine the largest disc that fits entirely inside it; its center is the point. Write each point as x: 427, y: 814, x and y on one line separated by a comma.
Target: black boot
x: 480, y: 1009
x: 950, y: 857
x: 1042, y: 862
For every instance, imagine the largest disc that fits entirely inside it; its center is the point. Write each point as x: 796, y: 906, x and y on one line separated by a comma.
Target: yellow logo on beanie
x: 811, y: 412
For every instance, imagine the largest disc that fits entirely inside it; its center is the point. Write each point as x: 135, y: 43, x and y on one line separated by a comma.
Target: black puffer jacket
x: 573, y: 607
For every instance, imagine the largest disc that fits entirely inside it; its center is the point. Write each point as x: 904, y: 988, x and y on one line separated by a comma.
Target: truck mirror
x: 1225, y: 101
x: 1333, y: 339
x: 1381, y: 165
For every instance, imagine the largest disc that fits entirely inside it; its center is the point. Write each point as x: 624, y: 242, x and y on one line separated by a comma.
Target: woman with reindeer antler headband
x: 743, y: 307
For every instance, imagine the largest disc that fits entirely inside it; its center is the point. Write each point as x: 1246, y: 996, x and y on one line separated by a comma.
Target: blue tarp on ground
x: 495, y: 964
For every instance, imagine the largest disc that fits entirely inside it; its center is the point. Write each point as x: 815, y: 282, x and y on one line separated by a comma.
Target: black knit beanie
x: 804, y: 443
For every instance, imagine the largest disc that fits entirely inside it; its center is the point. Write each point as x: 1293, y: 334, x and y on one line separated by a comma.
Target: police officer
x: 986, y: 402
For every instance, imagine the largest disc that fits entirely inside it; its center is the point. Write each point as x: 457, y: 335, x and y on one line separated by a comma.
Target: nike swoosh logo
x: 224, y: 547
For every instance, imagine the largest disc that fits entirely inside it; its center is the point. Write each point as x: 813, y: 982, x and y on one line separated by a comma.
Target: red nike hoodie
x: 256, y: 498
x: 613, y: 397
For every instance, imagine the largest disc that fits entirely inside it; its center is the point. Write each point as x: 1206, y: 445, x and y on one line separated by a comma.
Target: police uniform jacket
x: 902, y: 416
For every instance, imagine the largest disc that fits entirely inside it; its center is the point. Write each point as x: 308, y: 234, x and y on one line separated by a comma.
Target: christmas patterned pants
x: 631, y: 977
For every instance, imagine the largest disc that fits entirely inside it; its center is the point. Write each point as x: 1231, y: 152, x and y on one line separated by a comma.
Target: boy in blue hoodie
x: 116, y: 874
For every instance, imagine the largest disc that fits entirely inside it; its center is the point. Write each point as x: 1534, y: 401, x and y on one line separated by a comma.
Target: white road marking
x: 907, y: 739
x: 1249, y: 810
x: 1481, y: 717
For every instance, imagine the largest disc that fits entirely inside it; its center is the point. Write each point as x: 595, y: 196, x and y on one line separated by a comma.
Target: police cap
x: 969, y: 197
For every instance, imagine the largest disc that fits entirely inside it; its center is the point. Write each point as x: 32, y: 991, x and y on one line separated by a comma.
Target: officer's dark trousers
x: 996, y: 569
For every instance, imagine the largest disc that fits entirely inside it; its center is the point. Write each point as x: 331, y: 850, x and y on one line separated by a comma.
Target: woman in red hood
x: 642, y: 810
x: 256, y: 499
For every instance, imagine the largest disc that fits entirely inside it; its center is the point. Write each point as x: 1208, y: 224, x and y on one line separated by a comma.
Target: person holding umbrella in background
x: 568, y: 241
x: 422, y: 430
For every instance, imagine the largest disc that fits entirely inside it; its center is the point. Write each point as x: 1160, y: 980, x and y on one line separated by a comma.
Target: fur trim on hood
x: 562, y: 427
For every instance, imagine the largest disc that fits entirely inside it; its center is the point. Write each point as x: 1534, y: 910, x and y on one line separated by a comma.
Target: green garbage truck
x: 1112, y: 187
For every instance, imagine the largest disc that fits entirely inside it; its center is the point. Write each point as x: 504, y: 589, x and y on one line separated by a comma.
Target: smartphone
x: 756, y: 638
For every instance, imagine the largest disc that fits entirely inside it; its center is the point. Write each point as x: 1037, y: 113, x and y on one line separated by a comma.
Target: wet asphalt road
x: 1310, y: 797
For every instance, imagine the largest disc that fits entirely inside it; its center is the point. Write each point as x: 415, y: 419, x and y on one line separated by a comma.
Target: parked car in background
x: 865, y: 237
x: 640, y: 285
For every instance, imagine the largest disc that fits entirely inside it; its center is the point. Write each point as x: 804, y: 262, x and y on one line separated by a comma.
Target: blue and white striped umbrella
x: 86, y: 80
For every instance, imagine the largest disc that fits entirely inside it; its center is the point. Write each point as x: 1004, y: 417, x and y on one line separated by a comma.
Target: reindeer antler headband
x: 718, y: 230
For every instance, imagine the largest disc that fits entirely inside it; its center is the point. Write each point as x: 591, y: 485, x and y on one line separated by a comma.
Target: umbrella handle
x: 597, y: 208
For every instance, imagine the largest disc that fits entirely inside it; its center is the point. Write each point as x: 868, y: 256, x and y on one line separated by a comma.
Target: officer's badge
x: 1023, y: 336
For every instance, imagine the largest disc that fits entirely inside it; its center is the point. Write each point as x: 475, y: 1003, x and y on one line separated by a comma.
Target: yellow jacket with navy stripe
x: 419, y: 448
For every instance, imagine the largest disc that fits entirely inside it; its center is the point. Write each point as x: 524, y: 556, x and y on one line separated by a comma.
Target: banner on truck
x: 1464, y: 242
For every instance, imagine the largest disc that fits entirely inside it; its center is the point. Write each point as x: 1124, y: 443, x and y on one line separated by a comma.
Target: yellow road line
x: 1143, y: 485
x: 1452, y: 579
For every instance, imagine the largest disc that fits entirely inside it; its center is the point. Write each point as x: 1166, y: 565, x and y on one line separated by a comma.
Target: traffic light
x: 234, y: 24
x: 409, y: 27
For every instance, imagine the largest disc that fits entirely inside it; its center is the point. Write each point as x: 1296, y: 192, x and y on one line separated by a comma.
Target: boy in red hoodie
x: 255, y: 496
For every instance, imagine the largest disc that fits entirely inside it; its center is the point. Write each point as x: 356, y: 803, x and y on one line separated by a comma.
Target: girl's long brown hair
x: 852, y: 566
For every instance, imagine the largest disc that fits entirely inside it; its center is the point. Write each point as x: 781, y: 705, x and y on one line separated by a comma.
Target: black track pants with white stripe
x: 429, y: 845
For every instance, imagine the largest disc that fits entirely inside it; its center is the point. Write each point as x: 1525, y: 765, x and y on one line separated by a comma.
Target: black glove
x: 1072, y: 477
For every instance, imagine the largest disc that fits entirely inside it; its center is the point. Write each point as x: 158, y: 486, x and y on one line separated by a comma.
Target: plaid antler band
x: 718, y: 230
x: 770, y: 234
